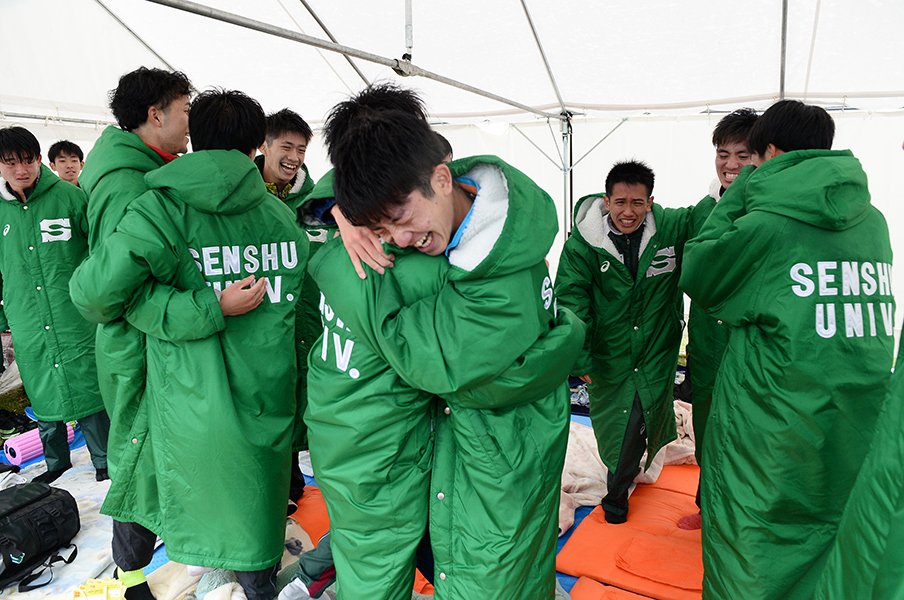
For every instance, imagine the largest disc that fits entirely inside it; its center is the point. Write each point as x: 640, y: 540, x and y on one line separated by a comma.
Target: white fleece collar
x: 715, y: 189
x: 5, y: 193
x: 593, y: 224
x: 300, y: 178
x: 488, y: 217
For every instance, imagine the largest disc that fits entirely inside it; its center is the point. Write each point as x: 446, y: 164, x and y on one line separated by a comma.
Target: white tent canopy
x: 655, y: 75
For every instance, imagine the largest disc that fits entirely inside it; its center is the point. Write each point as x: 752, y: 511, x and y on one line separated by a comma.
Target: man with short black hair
x: 44, y: 239
x: 796, y: 260
x: 281, y: 162
x: 151, y: 107
x: 67, y: 160
x: 220, y: 409
x: 619, y: 273
x: 708, y: 336
x: 469, y: 298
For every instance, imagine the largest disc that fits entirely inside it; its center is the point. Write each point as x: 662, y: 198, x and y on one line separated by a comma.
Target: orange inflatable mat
x: 314, y: 519
x: 648, y: 555
x: 588, y: 589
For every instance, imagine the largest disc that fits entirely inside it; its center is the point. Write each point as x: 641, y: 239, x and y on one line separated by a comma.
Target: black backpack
x: 36, y: 521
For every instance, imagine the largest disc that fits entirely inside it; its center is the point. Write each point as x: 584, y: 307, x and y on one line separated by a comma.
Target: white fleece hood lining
x: 593, y: 224
x: 715, y: 189
x: 5, y: 193
x: 488, y: 217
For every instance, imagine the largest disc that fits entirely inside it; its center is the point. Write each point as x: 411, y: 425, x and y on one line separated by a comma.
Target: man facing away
x: 220, y: 410
x: 797, y: 262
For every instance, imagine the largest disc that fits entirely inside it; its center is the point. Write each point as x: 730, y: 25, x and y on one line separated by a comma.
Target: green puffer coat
x: 707, y: 338
x: 495, y: 485
x: 635, y: 325
x: 309, y: 326
x: 867, y: 558
x: 113, y: 178
x: 796, y: 260
x: 371, y: 433
x: 220, y: 410
x: 43, y: 241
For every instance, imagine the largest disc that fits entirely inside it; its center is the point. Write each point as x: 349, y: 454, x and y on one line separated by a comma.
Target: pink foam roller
x: 27, y: 446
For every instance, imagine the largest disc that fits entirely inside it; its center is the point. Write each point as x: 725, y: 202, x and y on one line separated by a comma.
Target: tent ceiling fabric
x: 620, y: 58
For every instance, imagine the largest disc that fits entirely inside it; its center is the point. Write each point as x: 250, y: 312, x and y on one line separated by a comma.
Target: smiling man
x: 708, y: 336
x: 282, y: 157
x: 460, y: 315
x: 67, y: 160
x: 151, y: 109
x: 619, y: 274
x: 796, y: 260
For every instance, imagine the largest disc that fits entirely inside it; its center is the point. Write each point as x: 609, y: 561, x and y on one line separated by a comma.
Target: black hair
x: 226, y: 120
x: 380, y: 97
x: 444, y: 145
x: 143, y: 88
x: 64, y: 147
x: 18, y: 142
x: 734, y: 127
x: 630, y: 172
x: 380, y: 160
x: 792, y: 125
x: 287, y: 121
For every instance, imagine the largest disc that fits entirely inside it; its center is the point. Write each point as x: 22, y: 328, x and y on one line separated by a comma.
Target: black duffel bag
x: 36, y: 522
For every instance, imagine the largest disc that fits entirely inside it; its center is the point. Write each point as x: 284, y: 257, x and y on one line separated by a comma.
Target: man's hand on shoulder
x: 242, y: 296
x: 362, y: 245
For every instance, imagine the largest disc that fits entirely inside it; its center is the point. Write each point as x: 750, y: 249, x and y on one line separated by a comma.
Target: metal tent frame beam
x: 400, y: 66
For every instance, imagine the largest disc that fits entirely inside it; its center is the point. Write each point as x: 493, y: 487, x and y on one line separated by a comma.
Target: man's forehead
x: 64, y: 155
x: 289, y: 138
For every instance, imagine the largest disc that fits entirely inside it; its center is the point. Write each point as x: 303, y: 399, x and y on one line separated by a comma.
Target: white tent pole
x: 9, y: 116
x: 552, y: 78
x: 400, y: 66
x: 781, y: 86
x: 611, y: 131
x: 409, y: 32
x: 812, y: 48
x: 136, y: 36
x: 567, y: 166
x: 333, y: 39
x: 535, y: 145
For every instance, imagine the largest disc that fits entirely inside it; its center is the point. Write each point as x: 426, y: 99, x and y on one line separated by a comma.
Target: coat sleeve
x: 164, y: 312
x: 463, y: 336
x: 126, y: 277
x: 720, y: 263
x: 538, y: 372
x: 574, y: 291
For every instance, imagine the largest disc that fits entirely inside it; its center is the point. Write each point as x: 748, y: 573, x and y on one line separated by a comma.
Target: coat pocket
x: 486, y: 446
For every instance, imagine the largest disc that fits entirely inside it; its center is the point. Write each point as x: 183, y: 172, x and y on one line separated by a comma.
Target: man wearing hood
x: 708, y: 336
x: 459, y: 316
x: 619, y: 273
x: 220, y: 409
x: 797, y: 262
x: 151, y: 109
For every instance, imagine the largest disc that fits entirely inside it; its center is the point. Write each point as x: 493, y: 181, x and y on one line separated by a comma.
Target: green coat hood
x: 831, y: 193
x: 211, y: 181
x: 513, y: 221
x: 116, y: 149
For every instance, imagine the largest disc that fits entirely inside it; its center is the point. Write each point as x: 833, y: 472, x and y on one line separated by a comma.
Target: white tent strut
x: 400, y: 66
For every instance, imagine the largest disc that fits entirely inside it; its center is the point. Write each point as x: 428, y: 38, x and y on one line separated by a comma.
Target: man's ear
x: 154, y: 116
x: 442, y: 178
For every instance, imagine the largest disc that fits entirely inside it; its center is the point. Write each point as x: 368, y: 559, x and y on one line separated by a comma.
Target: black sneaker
x: 101, y: 474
